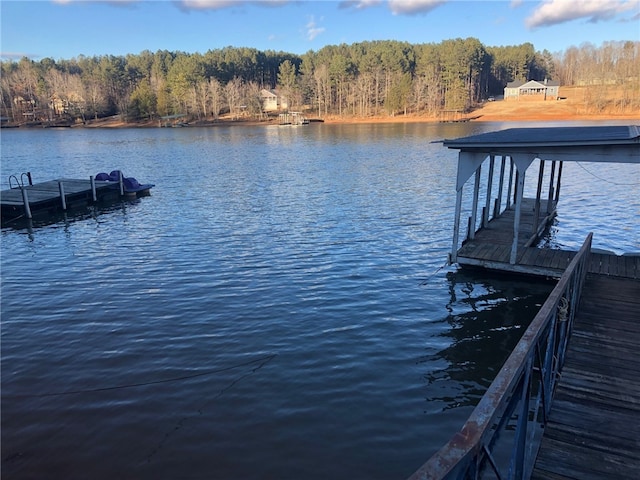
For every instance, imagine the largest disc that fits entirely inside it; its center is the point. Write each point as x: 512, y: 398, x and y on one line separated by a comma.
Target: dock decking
x: 593, y: 431
x: 45, y: 196
x: 491, y: 248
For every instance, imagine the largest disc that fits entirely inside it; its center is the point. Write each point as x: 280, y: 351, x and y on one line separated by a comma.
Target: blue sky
x: 64, y: 29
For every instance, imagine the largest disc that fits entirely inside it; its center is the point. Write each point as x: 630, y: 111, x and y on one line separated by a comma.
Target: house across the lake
x: 269, y: 101
x: 272, y: 102
x: 532, y: 90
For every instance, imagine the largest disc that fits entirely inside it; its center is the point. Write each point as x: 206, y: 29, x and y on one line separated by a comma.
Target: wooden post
x: 25, y: 200
x: 510, y: 187
x: 456, y: 227
x: 485, y: 212
x: 63, y: 200
x: 519, y: 188
x: 558, y: 184
x: 94, y: 195
x: 476, y: 192
x: 550, y: 206
x: 498, y: 204
x: 536, y: 210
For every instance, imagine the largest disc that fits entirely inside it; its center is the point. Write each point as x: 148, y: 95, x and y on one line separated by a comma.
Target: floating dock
x: 59, y: 195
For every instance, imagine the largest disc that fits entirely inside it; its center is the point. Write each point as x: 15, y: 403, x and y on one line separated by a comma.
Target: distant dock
x: 292, y: 118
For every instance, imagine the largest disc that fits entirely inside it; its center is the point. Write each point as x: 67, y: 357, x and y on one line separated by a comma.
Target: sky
x: 66, y: 29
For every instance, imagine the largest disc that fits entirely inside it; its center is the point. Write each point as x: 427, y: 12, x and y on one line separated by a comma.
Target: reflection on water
x: 66, y: 218
x: 487, y: 313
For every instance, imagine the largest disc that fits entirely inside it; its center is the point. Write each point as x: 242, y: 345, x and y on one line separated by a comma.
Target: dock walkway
x: 491, y: 248
x: 593, y: 430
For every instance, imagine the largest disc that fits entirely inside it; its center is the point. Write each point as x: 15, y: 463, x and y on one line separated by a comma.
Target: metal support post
x: 25, y: 200
x: 94, y: 195
x: 63, y: 200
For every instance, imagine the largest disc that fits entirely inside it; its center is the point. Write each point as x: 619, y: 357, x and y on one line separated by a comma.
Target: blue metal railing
x: 502, y: 436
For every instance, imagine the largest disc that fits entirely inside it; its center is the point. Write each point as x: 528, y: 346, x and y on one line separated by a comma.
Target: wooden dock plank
x: 502, y: 253
x: 609, y: 389
x: 594, y: 426
x: 529, y: 255
x: 614, y: 265
x: 631, y: 265
x: 593, y: 430
x: 577, y: 460
x: 545, y: 259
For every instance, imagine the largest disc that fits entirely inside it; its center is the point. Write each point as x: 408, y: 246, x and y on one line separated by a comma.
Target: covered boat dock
x: 564, y: 403
x: 504, y: 226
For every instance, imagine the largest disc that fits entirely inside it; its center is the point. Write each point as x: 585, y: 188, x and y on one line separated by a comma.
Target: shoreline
x: 117, y: 123
x: 498, y: 111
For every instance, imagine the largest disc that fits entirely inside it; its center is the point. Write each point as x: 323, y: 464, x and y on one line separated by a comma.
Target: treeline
x: 362, y: 79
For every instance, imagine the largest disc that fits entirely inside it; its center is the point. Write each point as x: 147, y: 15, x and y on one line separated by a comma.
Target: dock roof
x: 614, y: 144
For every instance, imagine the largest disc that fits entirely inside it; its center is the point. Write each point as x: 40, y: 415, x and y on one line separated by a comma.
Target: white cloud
x: 17, y: 55
x: 553, y: 12
x: 359, y: 4
x: 208, y: 4
x: 397, y: 7
x: 312, y: 29
x: 109, y: 2
x: 411, y: 7
x: 220, y: 4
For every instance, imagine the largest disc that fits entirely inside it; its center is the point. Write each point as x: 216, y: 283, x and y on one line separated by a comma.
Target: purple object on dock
x: 130, y: 184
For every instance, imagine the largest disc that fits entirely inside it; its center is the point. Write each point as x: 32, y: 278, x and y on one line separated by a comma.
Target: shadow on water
x: 488, y: 313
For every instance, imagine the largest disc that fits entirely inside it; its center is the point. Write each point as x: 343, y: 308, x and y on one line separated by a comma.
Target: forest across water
x: 367, y: 81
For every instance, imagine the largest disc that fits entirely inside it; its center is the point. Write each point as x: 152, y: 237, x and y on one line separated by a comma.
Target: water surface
x: 277, y: 308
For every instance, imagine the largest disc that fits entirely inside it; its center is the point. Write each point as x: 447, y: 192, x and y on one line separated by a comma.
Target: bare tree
x: 233, y: 93
x: 23, y: 85
x: 202, y: 94
x: 216, y: 96
x: 76, y: 96
x: 252, y: 99
x: 323, y: 89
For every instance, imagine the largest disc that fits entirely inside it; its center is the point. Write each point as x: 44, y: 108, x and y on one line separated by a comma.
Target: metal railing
x: 501, y: 438
x: 20, y: 182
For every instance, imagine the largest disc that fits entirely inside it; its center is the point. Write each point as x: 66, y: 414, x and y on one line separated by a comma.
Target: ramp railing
x: 501, y: 437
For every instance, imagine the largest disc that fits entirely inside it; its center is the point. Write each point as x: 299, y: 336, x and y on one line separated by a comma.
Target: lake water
x: 276, y: 309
